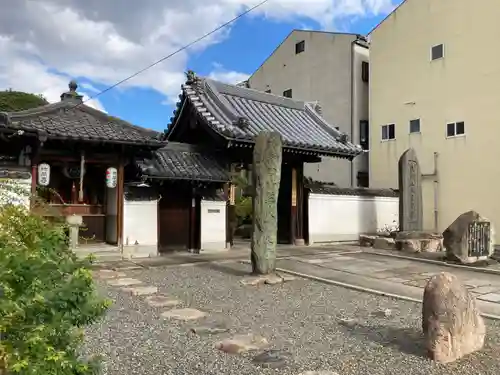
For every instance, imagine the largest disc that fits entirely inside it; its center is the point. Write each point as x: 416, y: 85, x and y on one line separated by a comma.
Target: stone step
x: 104, y: 256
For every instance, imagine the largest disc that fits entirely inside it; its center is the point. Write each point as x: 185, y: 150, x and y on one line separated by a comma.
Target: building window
x: 415, y: 126
x: 287, y: 93
x: 388, y: 132
x: 437, y: 52
x: 364, y: 134
x: 268, y: 91
x: 300, y: 47
x: 365, y: 71
x: 455, y: 128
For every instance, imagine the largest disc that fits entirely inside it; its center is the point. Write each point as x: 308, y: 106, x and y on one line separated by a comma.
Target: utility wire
x: 175, y: 52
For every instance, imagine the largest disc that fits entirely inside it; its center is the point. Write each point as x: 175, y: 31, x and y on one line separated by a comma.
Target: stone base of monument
x: 377, y: 241
x: 419, y: 242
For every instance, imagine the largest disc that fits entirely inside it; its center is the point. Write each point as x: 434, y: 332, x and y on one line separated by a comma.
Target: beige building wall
x: 462, y: 86
x: 321, y: 73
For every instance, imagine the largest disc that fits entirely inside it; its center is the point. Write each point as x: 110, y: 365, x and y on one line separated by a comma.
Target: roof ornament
x: 72, y: 94
x: 344, y: 138
x: 4, y: 118
x: 241, y: 122
x: 318, y: 109
x: 193, y: 80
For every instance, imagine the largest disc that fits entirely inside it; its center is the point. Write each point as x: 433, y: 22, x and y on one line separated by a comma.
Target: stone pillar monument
x: 410, y: 192
x: 266, y: 176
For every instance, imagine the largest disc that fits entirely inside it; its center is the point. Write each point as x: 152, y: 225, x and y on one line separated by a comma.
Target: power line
x: 175, y: 52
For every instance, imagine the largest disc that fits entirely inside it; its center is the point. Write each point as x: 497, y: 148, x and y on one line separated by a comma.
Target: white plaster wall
x: 140, y: 228
x: 111, y: 215
x: 344, y: 217
x: 213, y: 225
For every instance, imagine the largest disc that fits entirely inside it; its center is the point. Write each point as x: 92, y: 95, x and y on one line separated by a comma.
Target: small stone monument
x: 410, y: 192
x: 266, y: 177
x: 469, y: 239
x: 451, y: 322
x: 74, y: 222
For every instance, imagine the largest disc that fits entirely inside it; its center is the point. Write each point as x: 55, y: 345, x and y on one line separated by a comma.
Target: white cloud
x: 44, y: 43
x: 227, y: 76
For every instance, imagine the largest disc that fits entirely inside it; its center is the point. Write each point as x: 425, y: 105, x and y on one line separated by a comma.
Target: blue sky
x: 250, y: 41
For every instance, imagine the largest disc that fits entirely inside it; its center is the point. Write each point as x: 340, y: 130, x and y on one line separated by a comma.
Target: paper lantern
x: 43, y: 174
x: 111, y: 177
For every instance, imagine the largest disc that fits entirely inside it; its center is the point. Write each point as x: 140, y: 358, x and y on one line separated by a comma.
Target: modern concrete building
x: 434, y: 86
x: 331, y: 69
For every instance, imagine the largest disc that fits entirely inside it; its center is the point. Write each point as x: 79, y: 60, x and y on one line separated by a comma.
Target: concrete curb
x: 435, y: 262
x: 361, y: 289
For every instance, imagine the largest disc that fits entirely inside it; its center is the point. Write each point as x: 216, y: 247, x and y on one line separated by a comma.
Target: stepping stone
x: 209, y: 330
x: 142, y: 290
x: 110, y: 274
x: 272, y: 279
x: 162, y: 301
x: 124, y: 282
x: 242, y: 343
x: 271, y: 359
x: 184, y: 314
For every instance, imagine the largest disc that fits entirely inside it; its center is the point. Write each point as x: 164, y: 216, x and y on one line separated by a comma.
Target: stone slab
x: 124, y: 282
x: 162, y: 301
x: 184, y: 314
x: 142, y: 290
x: 490, y: 297
x: 421, y: 283
x: 242, y: 343
x: 486, y: 289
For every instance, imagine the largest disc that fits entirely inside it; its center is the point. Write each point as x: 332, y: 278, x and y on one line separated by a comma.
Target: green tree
x: 11, y: 101
x: 48, y: 297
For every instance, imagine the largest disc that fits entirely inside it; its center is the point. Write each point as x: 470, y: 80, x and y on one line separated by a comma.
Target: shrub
x: 48, y: 296
x: 243, y: 208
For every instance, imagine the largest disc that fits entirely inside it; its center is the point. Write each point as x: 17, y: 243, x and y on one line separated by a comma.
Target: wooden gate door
x: 173, y: 216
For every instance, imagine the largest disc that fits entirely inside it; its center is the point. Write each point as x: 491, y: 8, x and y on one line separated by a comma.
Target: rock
x: 184, y: 314
x: 451, y: 321
x: 162, y: 301
x: 384, y: 243
x: 124, y: 282
x: 266, y: 177
x: 383, y: 313
x: 242, y: 343
x: 469, y: 239
x: 419, y: 242
x: 366, y: 240
x: 271, y: 279
x: 209, y: 330
x: 142, y: 290
x: 271, y: 359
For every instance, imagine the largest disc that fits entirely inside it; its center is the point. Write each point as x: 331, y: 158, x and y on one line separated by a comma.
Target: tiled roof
x: 180, y: 161
x: 239, y: 114
x: 363, y: 192
x: 66, y: 120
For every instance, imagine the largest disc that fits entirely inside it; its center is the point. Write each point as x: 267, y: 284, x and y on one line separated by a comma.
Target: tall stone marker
x: 266, y: 178
x: 410, y: 192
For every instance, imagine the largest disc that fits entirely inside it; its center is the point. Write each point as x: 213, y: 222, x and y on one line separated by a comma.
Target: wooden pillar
x: 299, y: 235
x: 192, y: 245
x: 293, y: 211
x: 35, y: 159
x: 231, y: 214
x: 120, y: 188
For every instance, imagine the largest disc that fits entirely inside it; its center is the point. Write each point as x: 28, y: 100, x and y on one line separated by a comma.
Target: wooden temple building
x: 142, y: 192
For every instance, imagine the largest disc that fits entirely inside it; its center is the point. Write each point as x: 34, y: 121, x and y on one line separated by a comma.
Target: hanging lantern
x: 111, y: 177
x: 43, y: 174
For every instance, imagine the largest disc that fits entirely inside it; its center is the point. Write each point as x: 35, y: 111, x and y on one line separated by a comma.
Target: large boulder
x: 469, y: 239
x: 451, y: 322
x: 419, y: 242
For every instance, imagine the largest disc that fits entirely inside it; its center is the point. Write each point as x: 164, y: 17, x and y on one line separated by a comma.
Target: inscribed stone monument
x: 266, y: 176
x: 410, y: 192
x: 451, y: 322
x: 469, y: 239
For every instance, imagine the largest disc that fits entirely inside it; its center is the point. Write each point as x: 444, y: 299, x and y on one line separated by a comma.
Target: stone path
x: 391, y: 275
x: 236, y: 344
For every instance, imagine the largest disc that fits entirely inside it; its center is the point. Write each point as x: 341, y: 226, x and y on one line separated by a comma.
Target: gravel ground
x: 309, y: 320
